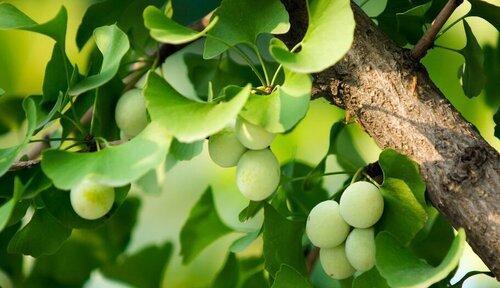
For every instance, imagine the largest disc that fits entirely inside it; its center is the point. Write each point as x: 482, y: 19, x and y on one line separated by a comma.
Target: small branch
x: 427, y: 41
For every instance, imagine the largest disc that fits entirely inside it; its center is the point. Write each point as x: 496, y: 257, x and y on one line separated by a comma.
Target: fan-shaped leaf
x: 186, y: 119
x: 328, y: 37
x: 288, y: 277
x: 472, y: 74
x: 114, y: 166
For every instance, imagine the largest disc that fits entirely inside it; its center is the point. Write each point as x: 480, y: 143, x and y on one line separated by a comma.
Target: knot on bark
x: 469, y: 165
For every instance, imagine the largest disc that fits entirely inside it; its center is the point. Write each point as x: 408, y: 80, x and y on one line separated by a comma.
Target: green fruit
x: 91, y: 200
x: 252, y: 136
x: 360, y: 249
x: 225, y: 149
x: 258, y: 174
x: 361, y: 204
x: 325, y: 227
x: 130, y: 113
x: 335, y: 263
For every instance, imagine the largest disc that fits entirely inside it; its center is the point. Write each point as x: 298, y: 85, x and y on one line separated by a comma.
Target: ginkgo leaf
x: 7, y: 208
x: 411, y: 22
x: 9, y: 155
x: 166, y: 30
x: 113, y: 44
x: 114, y: 166
x: 402, y: 269
x: 241, y: 21
x: 472, y: 74
x: 487, y: 11
x: 328, y: 37
x: 284, y: 107
x: 189, y: 120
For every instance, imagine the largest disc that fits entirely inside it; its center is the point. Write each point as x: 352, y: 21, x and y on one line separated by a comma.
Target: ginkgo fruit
x: 325, y: 227
x: 130, y: 113
x: 258, y: 174
x: 252, y: 136
x: 334, y: 262
x: 225, y: 149
x: 92, y: 200
x: 361, y: 204
x: 360, y: 248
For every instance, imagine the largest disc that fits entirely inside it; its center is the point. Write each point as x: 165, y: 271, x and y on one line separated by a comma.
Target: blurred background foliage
x: 24, y: 55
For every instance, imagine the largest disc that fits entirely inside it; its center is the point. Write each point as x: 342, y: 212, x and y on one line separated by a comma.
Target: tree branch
x: 392, y: 97
x: 427, y: 41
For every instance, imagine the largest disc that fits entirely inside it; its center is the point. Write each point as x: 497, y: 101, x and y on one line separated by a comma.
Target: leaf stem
x: 262, y: 63
x: 275, y: 76
x: 75, y: 124
x: 56, y: 139
x: 319, y: 175
x: 446, y: 48
x: 356, y: 175
x: 450, y: 26
x: 371, y: 180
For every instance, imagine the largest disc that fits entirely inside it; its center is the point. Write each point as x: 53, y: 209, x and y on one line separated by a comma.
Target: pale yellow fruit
x: 91, y: 200
x: 361, y: 204
x: 360, y: 248
x: 252, y: 136
x: 225, y: 149
x: 130, y: 113
x: 325, y: 227
x: 335, y: 263
x: 258, y: 174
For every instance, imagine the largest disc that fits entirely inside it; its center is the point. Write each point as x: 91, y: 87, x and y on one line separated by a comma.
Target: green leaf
x: 187, y: 12
x: 58, y: 203
x: 11, y: 264
x: 43, y: 235
x: 202, y: 227
x: 288, y: 277
x: 8, y: 155
x: 434, y: 240
x: 143, y: 269
x: 284, y: 107
x: 370, y: 279
x: 152, y: 182
x: 255, y: 280
x: 411, y: 22
x: 242, y: 21
x: 395, y: 165
x: 127, y: 15
x: 11, y: 113
x: 13, y: 18
x: 114, y: 166
x: 2, y: 91
x: 492, y: 72
x: 487, y: 11
x: 242, y: 243
x: 103, y: 118
x: 189, y: 120
x: 166, y: 30
x: 403, y: 215
x: 53, y: 83
x: 251, y: 210
x: 402, y: 269
x: 472, y: 74
x: 342, y: 146
x: 282, y: 242
x: 322, y: 46
x: 229, y: 274
x: 113, y: 44
x: 33, y: 178
x: 7, y: 208
x: 185, y: 151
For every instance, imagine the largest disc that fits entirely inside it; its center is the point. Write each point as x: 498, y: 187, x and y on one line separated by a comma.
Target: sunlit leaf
x: 186, y: 119
x: 242, y: 243
x: 402, y: 269
x: 185, y: 151
x: 472, y: 74
x: 166, y: 30
x: 283, y: 108
x: 487, y: 11
x: 113, y: 44
x: 322, y: 45
x: 202, y: 227
x: 114, y: 166
x: 242, y: 21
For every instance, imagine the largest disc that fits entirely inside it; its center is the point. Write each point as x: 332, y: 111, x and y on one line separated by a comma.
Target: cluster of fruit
x: 247, y: 147
x: 342, y: 251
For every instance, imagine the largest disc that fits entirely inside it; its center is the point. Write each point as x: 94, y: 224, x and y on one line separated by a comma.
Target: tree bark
x: 392, y: 97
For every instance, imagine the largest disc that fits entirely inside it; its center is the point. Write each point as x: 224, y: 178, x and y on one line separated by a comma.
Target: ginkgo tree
x: 399, y: 222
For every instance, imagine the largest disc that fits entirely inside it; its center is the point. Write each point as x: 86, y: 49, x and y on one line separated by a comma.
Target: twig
x: 427, y: 41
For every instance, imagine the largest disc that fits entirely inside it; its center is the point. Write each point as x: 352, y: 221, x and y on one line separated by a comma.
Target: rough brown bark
x: 393, y: 98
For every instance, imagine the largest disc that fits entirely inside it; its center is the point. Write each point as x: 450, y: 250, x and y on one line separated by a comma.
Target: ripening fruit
x: 225, y: 149
x: 360, y: 249
x: 361, y: 204
x: 325, y: 227
x: 252, y: 136
x: 258, y: 174
x: 130, y: 113
x: 335, y: 263
x: 92, y: 200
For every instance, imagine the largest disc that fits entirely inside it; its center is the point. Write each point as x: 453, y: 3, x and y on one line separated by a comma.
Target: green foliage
x: 402, y: 269
x: 190, y: 120
x: 412, y: 22
x: 185, y: 151
x: 11, y: 109
x: 487, y: 11
x: 114, y: 166
x: 229, y: 274
x: 7, y: 209
x: 288, y: 277
x: 322, y: 46
x: 472, y: 72
x: 370, y: 279
x: 203, y: 227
